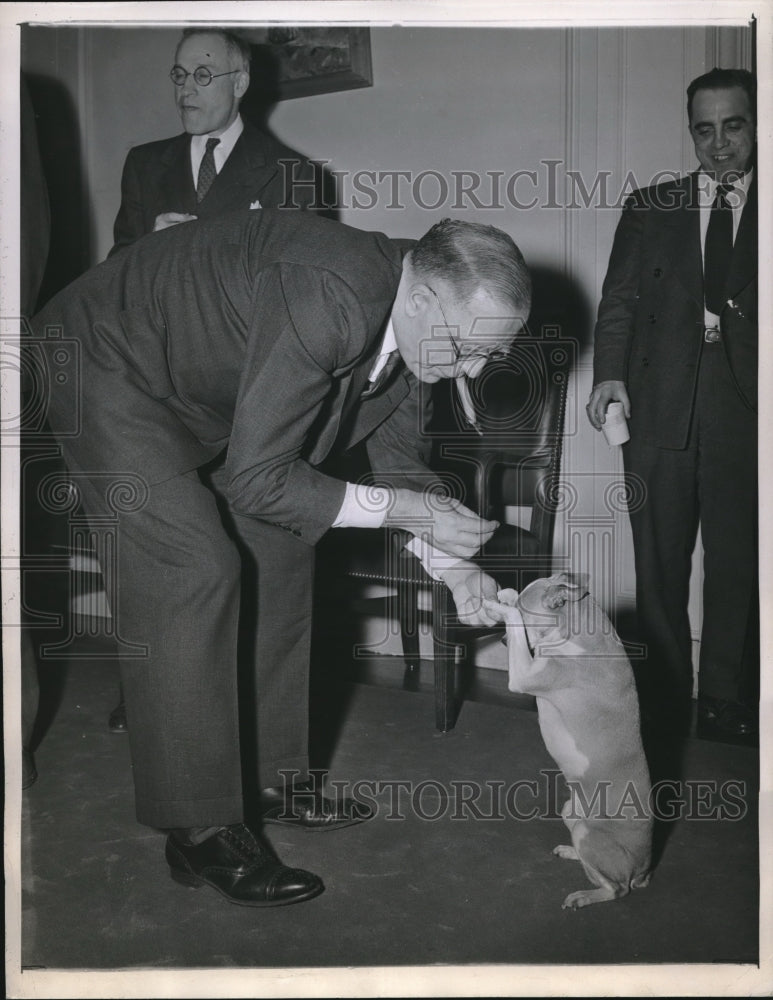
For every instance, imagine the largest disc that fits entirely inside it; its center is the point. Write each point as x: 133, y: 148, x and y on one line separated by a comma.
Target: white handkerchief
x: 518, y: 653
x: 255, y: 204
x: 465, y: 398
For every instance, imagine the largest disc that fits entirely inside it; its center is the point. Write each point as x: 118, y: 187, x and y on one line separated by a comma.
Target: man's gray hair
x: 239, y: 51
x: 470, y: 256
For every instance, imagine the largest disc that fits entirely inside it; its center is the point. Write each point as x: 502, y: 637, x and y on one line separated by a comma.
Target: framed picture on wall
x: 318, y: 59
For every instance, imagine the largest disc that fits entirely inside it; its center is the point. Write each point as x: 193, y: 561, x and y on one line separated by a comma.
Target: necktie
x: 718, y: 250
x: 207, y: 172
x: 392, y: 364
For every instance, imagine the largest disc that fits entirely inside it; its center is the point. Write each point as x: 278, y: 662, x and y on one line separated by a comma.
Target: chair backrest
x: 521, y: 404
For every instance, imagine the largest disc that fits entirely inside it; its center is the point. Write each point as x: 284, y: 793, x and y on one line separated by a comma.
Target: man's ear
x: 242, y: 82
x: 417, y: 299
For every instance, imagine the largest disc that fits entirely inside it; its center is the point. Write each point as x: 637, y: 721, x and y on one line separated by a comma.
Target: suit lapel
x: 245, y: 174
x: 683, y: 227
x: 349, y: 419
x: 341, y: 408
x: 364, y: 416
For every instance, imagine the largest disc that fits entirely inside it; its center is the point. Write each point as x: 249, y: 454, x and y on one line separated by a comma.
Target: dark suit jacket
x: 255, y: 331
x: 157, y: 178
x: 649, y: 332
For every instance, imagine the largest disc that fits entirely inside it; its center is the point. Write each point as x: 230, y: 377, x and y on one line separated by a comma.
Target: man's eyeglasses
x: 471, y: 364
x: 201, y: 75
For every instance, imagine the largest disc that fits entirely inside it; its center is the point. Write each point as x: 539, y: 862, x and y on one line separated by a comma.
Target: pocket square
x: 255, y: 204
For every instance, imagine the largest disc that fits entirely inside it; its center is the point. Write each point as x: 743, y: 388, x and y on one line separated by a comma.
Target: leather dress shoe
x: 303, y: 804
x: 117, y: 721
x: 726, y: 721
x: 239, y: 867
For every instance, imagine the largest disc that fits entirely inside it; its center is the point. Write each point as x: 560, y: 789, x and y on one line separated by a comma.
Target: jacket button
x: 645, y: 361
x: 651, y: 318
x: 658, y: 273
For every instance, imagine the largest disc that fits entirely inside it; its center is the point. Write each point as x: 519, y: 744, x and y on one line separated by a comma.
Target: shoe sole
x: 191, y: 881
x: 316, y: 829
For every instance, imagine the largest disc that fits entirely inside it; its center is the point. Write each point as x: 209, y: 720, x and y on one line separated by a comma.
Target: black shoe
x: 240, y: 868
x: 726, y: 721
x: 117, y: 721
x: 303, y: 804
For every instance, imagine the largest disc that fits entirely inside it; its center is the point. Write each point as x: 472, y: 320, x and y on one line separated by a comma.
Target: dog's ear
x: 571, y: 587
x: 581, y: 581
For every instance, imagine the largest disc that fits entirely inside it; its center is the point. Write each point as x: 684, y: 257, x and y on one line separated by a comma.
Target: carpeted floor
x: 435, y: 878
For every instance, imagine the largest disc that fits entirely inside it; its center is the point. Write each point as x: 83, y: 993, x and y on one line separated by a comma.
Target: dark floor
x: 428, y: 882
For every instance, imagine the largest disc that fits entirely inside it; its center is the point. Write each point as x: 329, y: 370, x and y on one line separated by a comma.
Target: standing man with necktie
x: 676, y: 344
x: 220, y: 162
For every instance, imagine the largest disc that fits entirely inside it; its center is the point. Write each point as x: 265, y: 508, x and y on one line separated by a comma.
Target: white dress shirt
x: 222, y: 150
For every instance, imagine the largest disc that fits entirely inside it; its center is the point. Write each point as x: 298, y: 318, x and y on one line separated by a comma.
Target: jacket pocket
x: 145, y: 346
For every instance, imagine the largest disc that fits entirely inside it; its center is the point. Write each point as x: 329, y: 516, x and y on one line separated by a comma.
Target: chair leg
x: 408, y: 614
x: 445, y: 655
x: 445, y: 708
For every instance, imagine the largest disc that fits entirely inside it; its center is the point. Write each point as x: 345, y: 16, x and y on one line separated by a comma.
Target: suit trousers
x: 713, y: 481
x: 195, y: 588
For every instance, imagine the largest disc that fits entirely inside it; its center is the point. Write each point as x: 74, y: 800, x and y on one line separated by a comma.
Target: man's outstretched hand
x: 472, y: 590
x: 446, y: 524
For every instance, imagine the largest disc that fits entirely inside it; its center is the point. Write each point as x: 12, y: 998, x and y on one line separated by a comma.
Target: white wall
x: 449, y: 100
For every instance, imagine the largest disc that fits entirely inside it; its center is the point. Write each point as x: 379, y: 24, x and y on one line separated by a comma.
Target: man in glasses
x: 221, y: 365
x: 220, y: 162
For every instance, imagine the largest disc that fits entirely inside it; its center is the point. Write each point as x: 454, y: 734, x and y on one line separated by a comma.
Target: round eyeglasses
x: 201, y: 75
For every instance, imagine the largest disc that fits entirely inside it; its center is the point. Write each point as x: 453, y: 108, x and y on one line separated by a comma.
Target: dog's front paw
x: 566, y: 851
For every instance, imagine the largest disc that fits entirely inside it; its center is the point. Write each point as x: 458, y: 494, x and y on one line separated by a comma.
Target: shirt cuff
x: 363, y: 507
x: 434, y: 561
x: 366, y: 507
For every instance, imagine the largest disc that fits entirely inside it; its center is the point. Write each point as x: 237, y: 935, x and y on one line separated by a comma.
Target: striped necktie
x: 207, y: 172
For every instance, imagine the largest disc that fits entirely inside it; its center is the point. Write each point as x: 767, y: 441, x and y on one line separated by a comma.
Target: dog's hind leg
x: 566, y: 851
x: 604, y: 862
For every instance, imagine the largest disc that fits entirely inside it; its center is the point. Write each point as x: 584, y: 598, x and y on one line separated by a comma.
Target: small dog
x: 563, y: 649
